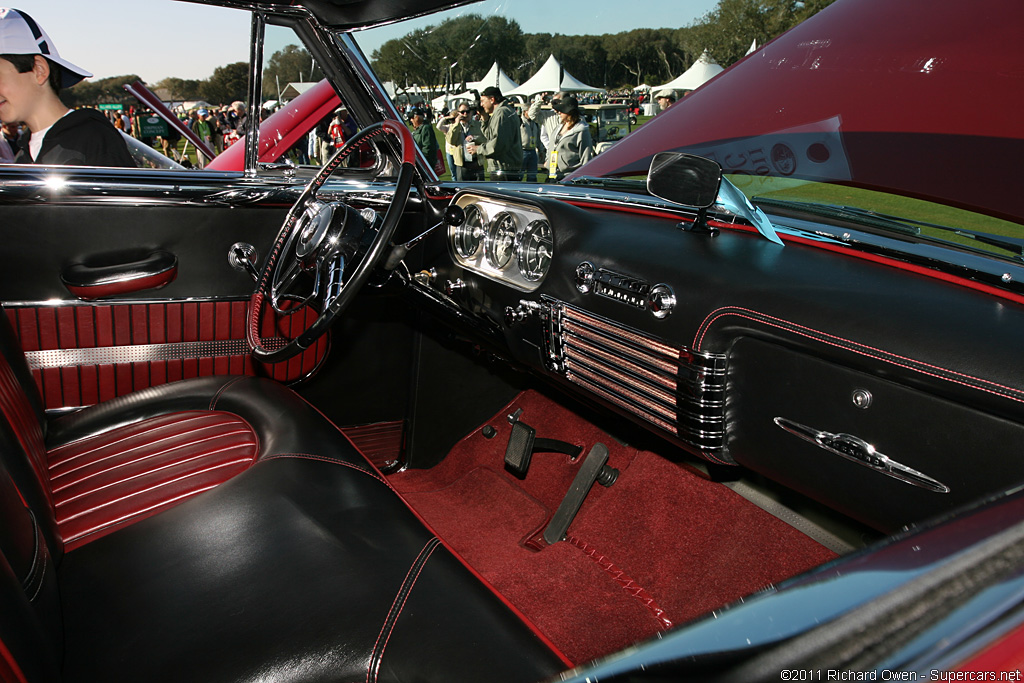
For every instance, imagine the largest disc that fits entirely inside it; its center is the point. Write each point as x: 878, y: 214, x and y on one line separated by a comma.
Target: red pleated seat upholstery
x: 106, y: 481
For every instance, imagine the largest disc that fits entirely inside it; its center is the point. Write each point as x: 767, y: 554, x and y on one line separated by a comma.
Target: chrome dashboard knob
x: 450, y: 288
x: 661, y: 301
x: 585, y: 277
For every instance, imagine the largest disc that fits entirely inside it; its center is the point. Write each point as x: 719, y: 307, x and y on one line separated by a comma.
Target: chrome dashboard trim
x: 677, y: 390
x: 483, y: 261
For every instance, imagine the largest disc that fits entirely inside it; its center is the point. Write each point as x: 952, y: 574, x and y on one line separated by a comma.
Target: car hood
x: 919, y: 97
x: 351, y: 14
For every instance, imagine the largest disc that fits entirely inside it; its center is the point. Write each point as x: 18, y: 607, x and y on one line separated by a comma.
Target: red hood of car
x: 283, y: 128
x: 918, y: 97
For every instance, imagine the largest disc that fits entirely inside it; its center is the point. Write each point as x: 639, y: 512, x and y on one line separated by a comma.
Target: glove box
x: 876, y: 450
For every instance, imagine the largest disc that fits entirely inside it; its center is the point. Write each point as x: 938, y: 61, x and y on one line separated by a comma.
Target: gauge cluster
x: 505, y: 241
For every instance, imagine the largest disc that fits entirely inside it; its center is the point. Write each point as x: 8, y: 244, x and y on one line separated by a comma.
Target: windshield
x: 904, y: 110
x: 903, y: 116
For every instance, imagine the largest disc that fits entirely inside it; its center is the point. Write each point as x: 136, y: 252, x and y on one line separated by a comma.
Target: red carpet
x: 659, y: 547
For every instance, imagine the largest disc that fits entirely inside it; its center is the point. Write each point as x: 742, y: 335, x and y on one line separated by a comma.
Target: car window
x: 606, y: 59
x: 193, y: 60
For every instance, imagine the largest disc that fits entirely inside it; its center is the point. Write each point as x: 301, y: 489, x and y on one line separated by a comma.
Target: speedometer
x: 501, y: 240
x: 467, y: 236
x: 535, y: 249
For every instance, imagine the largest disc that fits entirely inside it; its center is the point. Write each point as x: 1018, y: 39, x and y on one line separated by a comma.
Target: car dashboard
x: 841, y: 377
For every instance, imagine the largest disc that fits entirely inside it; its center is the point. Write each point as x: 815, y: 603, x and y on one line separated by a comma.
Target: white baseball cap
x: 21, y: 35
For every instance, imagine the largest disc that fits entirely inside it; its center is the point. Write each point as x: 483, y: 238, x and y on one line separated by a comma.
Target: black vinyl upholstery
x: 305, y: 567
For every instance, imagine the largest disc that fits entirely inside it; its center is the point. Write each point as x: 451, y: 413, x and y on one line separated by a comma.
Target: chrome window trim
x: 59, y: 303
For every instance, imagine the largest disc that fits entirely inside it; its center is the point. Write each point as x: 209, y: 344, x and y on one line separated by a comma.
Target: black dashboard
x: 718, y: 343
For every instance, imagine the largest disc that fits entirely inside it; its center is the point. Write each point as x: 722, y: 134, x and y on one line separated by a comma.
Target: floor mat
x: 659, y: 547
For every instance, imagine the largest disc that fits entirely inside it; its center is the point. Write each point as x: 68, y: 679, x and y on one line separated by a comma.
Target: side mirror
x: 688, y: 180
x: 684, y: 179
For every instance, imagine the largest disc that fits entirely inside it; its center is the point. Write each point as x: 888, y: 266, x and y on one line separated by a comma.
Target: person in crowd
x: 10, y: 133
x: 502, y: 145
x: 241, y: 117
x: 423, y: 134
x: 666, y: 98
x: 32, y: 74
x: 323, y: 139
x: 463, y: 134
x: 342, y: 128
x: 202, y: 128
x: 6, y: 153
x: 547, y: 119
x: 571, y: 145
x: 444, y: 123
x: 530, y: 132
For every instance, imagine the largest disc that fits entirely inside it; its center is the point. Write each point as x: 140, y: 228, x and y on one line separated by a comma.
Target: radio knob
x: 585, y: 277
x: 661, y: 301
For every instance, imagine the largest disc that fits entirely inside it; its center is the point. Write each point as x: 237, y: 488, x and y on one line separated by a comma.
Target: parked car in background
x: 609, y: 123
x: 740, y: 399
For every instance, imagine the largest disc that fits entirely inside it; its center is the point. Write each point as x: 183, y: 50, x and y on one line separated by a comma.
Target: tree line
x: 225, y: 85
x: 461, y: 50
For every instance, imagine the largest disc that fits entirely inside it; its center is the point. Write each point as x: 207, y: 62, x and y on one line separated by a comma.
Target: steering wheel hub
x: 324, y: 241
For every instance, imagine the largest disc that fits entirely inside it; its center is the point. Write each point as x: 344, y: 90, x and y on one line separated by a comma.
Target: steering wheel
x: 328, y: 243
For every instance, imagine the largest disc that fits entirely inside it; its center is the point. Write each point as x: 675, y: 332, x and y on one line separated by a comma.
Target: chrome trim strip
x: 259, y: 22
x: 60, y: 303
x: 669, y: 386
x: 861, y: 452
x: 142, y: 353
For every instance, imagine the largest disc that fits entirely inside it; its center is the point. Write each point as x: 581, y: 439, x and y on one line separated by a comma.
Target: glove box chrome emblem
x: 861, y: 452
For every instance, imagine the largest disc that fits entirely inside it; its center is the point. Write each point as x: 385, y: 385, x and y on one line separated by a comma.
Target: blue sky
x: 160, y: 38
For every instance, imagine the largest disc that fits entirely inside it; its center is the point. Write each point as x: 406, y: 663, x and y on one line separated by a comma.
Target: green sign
x: 111, y: 107
x: 151, y: 126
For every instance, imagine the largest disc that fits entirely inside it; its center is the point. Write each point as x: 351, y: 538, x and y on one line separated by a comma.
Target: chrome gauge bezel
x: 525, y: 246
x: 467, y: 232
x: 497, y: 232
x: 508, y: 267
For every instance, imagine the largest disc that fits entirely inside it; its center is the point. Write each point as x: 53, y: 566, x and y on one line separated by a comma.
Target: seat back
x: 30, y: 616
x: 25, y: 460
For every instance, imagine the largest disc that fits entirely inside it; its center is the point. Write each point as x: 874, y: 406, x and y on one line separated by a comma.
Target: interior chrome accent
x: 536, y: 245
x: 671, y: 387
x: 861, y: 452
x: 585, y: 277
x: 243, y: 256
x: 505, y: 241
x: 862, y: 398
x: 142, y: 353
x: 661, y: 301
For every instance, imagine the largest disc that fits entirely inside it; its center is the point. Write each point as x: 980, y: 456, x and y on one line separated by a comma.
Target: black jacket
x: 83, y: 137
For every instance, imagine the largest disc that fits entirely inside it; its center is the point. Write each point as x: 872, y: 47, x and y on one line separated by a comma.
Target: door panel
x: 82, y: 352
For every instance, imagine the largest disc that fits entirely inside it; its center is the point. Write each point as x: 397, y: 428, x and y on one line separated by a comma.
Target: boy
x: 31, y: 76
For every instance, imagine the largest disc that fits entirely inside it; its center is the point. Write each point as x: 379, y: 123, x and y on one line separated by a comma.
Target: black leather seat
x: 300, y: 564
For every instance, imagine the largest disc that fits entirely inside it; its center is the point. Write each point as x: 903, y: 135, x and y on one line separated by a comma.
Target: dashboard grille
x: 669, y: 386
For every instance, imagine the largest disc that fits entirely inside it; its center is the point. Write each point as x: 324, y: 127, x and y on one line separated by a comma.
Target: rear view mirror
x: 684, y: 179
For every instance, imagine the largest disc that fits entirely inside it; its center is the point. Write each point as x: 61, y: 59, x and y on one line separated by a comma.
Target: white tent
x: 702, y: 71
x: 551, y: 78
x: 496, y: 77
x: 293, y: 90
x: 753, y: 47
x: 439, y: 103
